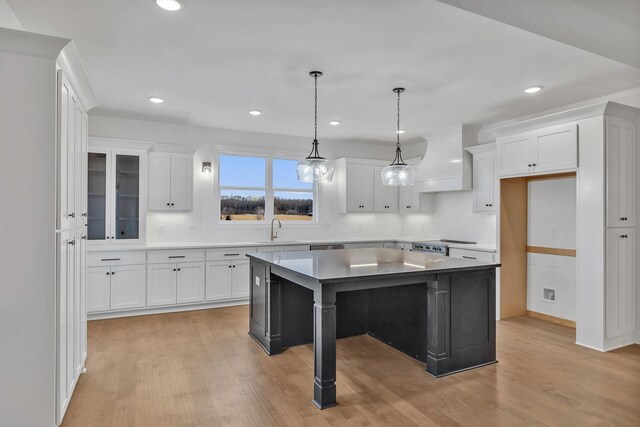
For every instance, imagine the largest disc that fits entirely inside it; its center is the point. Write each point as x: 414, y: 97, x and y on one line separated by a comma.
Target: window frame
x: 269, y: 191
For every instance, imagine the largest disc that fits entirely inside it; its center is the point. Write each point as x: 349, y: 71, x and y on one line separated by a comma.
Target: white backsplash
x: 453, y: 218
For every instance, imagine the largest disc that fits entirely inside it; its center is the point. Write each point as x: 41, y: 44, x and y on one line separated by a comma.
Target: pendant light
x: 398, y: 173
x: 315, y: 168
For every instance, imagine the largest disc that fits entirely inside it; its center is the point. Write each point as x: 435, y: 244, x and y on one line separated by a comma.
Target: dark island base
x: 462, y: 322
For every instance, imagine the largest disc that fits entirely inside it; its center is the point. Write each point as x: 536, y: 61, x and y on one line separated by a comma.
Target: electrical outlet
x: 161, y: 229
x: 554, y: 233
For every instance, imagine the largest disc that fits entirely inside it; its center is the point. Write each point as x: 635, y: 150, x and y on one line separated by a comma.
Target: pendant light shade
x: 398, y: 173
x: 315, y: 168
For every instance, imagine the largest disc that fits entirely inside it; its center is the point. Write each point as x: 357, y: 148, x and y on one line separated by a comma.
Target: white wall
x: 27, y: 227
x: 552, y: 224
x: 201, y: 225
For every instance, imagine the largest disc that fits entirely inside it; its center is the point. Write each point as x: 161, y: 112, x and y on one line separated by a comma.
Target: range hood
x: 447, y: 166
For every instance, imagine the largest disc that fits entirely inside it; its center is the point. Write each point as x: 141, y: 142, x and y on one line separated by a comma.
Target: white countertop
x: 236, y: 244
x: 264, y: 243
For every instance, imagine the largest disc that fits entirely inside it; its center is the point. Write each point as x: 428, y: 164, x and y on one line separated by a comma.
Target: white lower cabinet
x: 127, y: 287
x: 115, y: 288
x: 471, y: 254
x: 620, y: 284
x: 190, y: 282
x: 98, y: 289
x: 240, y: 279
x: 161, y: 286
x: 227, y: 279
x: 175, y: 283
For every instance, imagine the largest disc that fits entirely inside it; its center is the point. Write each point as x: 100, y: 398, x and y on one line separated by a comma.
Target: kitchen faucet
x: 274, y: 235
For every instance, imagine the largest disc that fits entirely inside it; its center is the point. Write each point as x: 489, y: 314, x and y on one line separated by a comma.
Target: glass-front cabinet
x: 114, y: 196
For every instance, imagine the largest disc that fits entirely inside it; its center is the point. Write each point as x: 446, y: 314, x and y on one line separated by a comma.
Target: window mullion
x: 269, y: 200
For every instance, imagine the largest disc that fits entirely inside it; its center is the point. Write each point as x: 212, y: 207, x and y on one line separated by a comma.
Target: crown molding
x: 32, y: 44
x: 71, y: 64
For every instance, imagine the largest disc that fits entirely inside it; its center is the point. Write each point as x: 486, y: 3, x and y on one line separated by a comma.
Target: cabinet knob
x: 172, y: 204
x: 168, y: 204
x: 534, y: 165
x: 234, y: 266
x: 179, y: 269
x: 107, y: 273
x: 229, y: 265
x: 529, y: 164
x: 174, y: 269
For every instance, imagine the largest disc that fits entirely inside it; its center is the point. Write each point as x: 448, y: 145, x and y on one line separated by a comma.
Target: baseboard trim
x: 553, y: 319
x: 168, y: 309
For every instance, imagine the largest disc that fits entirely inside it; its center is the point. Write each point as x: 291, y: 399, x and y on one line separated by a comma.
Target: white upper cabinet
x: 550, y: 149
x: 359, y: 188
x: 409, y: 200
x: 115, y: 183
x: 621, y: 172
x: 385, y: 197
x: 170, y: 181
x: 484, y: 177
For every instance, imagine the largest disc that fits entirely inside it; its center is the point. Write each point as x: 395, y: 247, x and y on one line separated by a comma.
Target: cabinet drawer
x: 101, y: 259
x: 229, y: 253
x: 476, y: 255
x: 164, y: 256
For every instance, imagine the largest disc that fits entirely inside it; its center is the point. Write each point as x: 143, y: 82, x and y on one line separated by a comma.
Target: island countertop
x: 335, y: 265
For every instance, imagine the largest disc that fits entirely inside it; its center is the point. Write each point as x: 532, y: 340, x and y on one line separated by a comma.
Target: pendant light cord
x: 398, y: 130
x: 315, y: 108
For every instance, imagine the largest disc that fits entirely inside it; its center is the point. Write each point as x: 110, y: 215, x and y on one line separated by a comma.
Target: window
x: 259, y: 189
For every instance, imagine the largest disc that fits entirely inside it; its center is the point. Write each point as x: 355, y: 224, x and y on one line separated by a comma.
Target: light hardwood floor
x: 201, y: 368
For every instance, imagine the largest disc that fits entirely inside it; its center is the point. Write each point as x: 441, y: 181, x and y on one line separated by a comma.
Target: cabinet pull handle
x: 231, y: 254
x: 110, y: 259
x: 469, y: 257
x: 72, y: 242
x: 84, y: 237
x: 84, y: 214
x: 176, y: 256
x: 72, y: 215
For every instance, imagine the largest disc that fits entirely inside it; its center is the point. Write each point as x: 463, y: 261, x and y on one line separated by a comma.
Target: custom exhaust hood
x: 447, y: 166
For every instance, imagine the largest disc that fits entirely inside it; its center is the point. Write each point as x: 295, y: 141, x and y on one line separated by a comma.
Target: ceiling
x: 216, y: 59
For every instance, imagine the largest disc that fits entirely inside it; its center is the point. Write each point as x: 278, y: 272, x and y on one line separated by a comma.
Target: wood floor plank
x: 201, y: 368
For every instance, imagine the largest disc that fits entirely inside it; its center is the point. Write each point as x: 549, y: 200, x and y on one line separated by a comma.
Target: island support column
x: 324, y: 347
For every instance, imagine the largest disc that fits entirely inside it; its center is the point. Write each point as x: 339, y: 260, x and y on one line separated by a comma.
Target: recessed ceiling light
x: 255, y: 112
x: 170, y: 5
x: 533, y: 89
x: 401, y: 131
x: 156, y: 100
x: 334, y: 122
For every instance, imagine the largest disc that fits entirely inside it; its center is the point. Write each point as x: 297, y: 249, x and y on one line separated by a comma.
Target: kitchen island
x: 437, y: 309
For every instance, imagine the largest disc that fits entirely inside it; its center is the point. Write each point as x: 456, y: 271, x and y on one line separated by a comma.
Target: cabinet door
x: 366, y: 188
x: 84, y: 181
x: 621, y: 173
x: 97, y: 200
x: 240, y: 279
x: 516, y: 155
x: 218, y: 280
x: 190, y: 282
x: 620, y: 285
x: 159, y: 181
x: 385, y: 197
x: 161, y: 284
x: 181, y: 182
x: 555, y: 148
x: 354, y: 204
x: 483, y: 182
x: 128, y: 287
x: 83, y: 295
x: 98, y: 289
x: 63, y: 281
x: 126, y: 200
x: 409, y: 199
x: 65, y: 152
